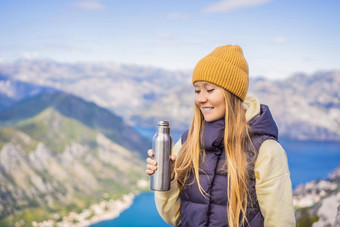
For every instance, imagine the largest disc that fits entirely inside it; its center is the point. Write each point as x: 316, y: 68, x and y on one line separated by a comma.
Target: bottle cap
x: 163, y: 123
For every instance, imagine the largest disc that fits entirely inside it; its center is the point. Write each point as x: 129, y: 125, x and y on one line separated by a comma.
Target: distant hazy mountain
x: 59, y: 153
x: 122, y: 88
x: 305, y: 107
x: 12, y: 91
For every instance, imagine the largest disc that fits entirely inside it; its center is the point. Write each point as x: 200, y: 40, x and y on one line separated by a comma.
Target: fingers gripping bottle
x: 161, y: 145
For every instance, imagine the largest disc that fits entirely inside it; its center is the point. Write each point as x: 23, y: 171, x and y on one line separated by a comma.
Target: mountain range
x: 60, y: 153
x: 85, y: 112
x: 305, y: 107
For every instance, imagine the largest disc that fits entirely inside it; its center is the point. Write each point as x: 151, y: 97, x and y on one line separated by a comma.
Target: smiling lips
x: 205, y: 109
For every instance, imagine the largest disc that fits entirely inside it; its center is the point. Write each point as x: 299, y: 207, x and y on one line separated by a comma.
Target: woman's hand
x: 151, y: 165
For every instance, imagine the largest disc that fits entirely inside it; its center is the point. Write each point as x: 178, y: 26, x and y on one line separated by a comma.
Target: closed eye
x: 210, y: 90
x: 197, y: 91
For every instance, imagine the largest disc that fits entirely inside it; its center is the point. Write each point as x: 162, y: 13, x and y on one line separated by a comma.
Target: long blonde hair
x: 236, y: 143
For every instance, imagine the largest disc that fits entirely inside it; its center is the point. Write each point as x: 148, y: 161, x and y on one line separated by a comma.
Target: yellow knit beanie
x: 225, y: 67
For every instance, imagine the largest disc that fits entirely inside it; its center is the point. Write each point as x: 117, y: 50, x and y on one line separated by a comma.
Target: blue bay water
x: 307, y: 161
x: 311, y: 160
x: 142, y: 213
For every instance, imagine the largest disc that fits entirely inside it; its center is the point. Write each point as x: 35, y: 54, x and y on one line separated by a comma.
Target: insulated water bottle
x: 161, y: 145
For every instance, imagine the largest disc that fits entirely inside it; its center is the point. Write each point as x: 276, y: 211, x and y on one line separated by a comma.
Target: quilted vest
x: 197, y: 210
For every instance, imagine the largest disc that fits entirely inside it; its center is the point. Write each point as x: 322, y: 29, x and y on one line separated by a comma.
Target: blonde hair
x: 236, y: 143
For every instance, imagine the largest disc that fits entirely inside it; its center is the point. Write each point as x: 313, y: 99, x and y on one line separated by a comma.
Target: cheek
x: 221, y: 108
x: 221, y: 105
x: 197, y: 102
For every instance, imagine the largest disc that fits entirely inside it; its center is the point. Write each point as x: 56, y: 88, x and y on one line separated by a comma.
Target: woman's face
x: 209, y: 98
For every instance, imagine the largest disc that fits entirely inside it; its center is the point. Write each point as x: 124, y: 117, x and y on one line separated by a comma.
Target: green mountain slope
x: 57, y: 161
x: 88, y: 113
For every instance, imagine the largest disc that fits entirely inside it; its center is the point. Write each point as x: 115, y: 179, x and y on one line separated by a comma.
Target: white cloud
x: 177, y: 16
x: 89, y: 5
x: 279, y: 40
x: 30, y: 55
x: 229, y: 5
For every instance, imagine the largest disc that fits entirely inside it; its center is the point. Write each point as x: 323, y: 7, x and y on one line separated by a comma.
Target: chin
x: 210, y: 119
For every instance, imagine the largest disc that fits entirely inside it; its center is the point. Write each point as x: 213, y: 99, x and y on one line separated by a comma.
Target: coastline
x: 105, y: 210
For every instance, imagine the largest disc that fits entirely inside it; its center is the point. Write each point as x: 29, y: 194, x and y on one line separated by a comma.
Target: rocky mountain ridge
x: 85, y: 112
x: 52, y: 161
x: 317, y: 202
x: 122, y: 88
x: 305, y: 107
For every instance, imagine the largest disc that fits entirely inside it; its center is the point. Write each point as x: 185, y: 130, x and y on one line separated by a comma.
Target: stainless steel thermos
x: 161, y: 145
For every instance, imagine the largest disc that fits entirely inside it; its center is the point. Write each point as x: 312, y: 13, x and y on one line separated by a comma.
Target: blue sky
x: 278, y: 37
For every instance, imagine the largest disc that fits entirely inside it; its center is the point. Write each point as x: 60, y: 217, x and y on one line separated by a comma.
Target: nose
x: 201, y: 97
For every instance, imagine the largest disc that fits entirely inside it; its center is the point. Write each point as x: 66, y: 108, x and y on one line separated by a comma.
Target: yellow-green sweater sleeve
x: 168, y: 203
x: 273, y: 185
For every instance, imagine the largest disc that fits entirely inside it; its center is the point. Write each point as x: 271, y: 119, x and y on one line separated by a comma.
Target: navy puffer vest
x: 196, y: 210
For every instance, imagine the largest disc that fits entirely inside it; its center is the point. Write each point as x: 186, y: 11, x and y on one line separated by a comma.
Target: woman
x: 229, y: 168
